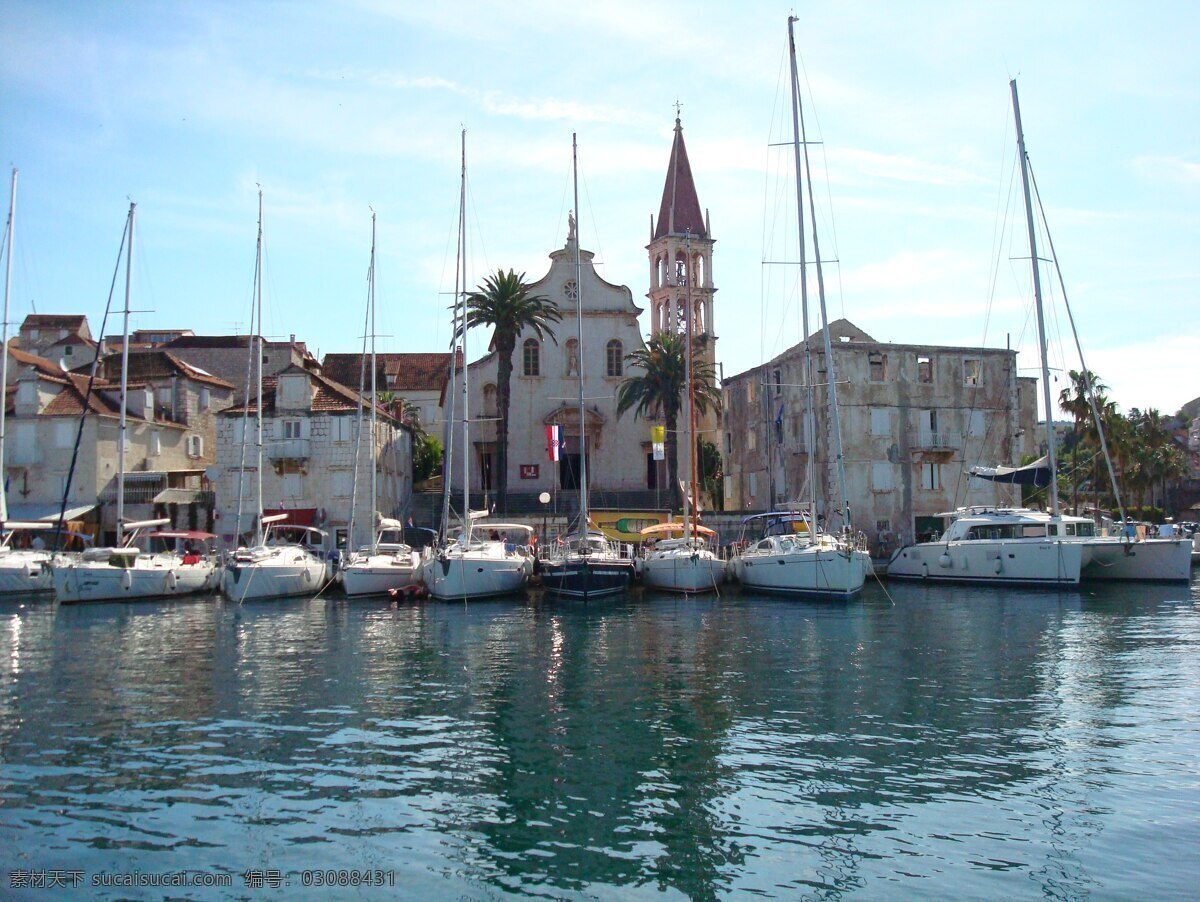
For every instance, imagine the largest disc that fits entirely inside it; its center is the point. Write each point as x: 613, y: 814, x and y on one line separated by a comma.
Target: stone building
x: 914, y: 419
x: 545, y: 391
x: 420, y: 379
x: 64, y: 339
x: 169, y: 444
x: 545, y: 388
x: 227, y: 356
x: 310, y: 429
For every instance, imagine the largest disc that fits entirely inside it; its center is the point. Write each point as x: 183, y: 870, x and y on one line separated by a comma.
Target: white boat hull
x: 813, y: 570
x: 84, y: 581
x: 286, y: 575
x: 467, y: 576
x: 25, y: 573
x: 1151, y: 560
x: 377, y: 574
x: 991, y: 562
x: 682, y: 571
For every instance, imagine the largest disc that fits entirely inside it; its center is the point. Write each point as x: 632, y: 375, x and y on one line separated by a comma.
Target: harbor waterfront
x: 923, y: 741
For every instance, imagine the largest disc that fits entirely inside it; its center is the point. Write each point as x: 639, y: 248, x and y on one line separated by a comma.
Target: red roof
x: 41, y: 364
x: 402, y: 372
x: 329, y: 397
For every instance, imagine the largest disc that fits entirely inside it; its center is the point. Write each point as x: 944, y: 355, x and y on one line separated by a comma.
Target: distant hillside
x: 1191, y: 409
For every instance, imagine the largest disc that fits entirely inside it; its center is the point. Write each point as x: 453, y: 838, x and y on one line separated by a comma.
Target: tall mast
x: 258, y: 376
x: 830, y: 370
x: 584, y: 517
x: 448, y: 425
x: 688, y: 376
x: 1037, y: 297
x: 374, y: 404
x: 124, y: 386
x: 466, y: 382
x: 12, y: 212
x: 806, y: 375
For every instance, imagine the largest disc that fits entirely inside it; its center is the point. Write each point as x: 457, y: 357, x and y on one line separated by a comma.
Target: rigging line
x: 599, y: 255
x: 62, y: 513
x: 1091, y: 393
x: 763, y: 279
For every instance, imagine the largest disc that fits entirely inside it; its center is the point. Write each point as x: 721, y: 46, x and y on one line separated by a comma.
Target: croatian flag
x: 553, y: 441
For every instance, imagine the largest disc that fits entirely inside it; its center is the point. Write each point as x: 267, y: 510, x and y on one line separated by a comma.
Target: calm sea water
x: 945, y: 742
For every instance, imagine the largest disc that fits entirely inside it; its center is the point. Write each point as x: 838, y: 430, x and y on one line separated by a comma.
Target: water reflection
x: 960, y: 741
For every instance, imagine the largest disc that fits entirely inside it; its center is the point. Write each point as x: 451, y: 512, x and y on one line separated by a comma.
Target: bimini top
x: 666, y: 529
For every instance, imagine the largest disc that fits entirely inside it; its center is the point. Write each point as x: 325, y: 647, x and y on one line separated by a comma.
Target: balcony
x: 928, y: 440
x: 288, y: 449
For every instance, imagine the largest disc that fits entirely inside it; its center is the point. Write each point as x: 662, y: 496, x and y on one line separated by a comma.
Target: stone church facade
x: 545, y: 381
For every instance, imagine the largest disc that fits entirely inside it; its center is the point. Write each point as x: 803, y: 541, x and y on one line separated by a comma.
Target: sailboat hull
x: 25, y: 573
x: 377, y: 574
x: 84, y: 581
x: 683, y: 570
x: 474, y: 575
x: 586, y: 578
x: 814, y: 571
x: 284, y: 575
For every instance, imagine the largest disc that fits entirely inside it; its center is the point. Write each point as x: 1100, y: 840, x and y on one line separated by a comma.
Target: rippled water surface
x: 947, y: 742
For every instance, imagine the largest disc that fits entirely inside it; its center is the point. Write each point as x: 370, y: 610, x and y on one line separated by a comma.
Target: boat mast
x: 258, y: 370
x: 124, y: 386
x: 584, y: 518
x: 688, y: 376
x: 374, y: 403
x: 448, y: 425
x: 830, y: 370
x: 1037, y: 297
x: 461, y: 300
x: 806, y: 376
x: 12, y: 211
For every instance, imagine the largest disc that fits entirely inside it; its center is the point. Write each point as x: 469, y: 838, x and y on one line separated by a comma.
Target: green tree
x: 426, y: 458
x: 660, y: 391
x: 505, y: 303
x: 712, y: 472
x: 1074, y: 400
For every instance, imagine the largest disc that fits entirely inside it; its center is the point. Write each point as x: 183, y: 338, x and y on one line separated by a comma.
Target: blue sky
x: 334, y: 109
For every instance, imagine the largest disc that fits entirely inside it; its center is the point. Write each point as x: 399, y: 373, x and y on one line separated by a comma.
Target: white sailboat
x: 471, y: 566
x: 23, y: 571
x: 806, y: 562
x: 1008, y: 546
x: 387, y: 563
x: 587, y: 565
x: 123, y: 572
x: 686, y: 563
x: 271, y: 566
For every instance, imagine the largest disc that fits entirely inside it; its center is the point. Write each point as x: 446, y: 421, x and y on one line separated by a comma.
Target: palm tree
x: 1074, y: 400
x: 504, y: 302
x: 403, y: 410
x: 660, y: 391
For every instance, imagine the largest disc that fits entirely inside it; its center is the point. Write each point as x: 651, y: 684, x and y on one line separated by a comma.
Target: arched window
x: 572, y: 357
x: 531, y: 357
x: 490, y: 406
x: 614, y: 357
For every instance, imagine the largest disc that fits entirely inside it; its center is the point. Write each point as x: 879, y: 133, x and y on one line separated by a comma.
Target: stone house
x: 420, y: 379
x: 914, y: 419
x: 168, y: 445
x: 310, y: 430
x: 64, y: 339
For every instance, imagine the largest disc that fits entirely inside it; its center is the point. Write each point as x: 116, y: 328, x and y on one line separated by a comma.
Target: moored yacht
x: 586, y: 566
x: 274, y: 567
x: 1000, y: 546
x: 469, y: 567
x: 386, y: 564
x: 780, y: 553
x: 681, y: 563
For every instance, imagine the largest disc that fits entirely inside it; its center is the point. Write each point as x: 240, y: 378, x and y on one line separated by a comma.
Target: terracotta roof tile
x: 399, y: 372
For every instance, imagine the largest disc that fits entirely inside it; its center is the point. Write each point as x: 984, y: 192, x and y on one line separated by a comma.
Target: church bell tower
x: 680, y: 250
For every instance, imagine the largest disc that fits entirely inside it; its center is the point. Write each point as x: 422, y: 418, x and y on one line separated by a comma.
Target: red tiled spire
x: 679, y: 212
